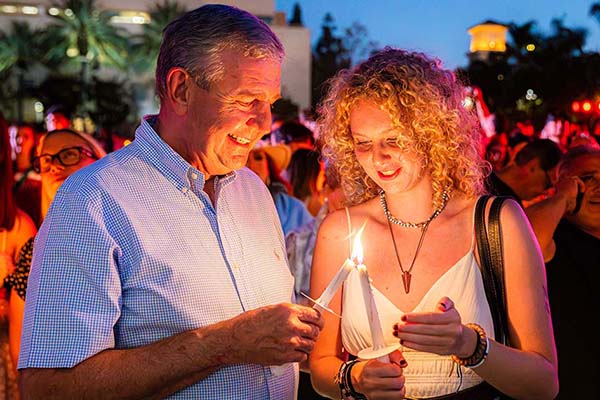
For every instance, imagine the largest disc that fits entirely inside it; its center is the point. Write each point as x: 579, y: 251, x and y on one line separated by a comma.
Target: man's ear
x: 178, y: 93
x: 532, y: 165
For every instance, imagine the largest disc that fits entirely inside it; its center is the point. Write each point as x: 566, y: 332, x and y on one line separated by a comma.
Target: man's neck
x: 512, y: 178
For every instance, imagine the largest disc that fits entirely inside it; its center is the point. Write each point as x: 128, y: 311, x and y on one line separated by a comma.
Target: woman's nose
x: 381, y: 153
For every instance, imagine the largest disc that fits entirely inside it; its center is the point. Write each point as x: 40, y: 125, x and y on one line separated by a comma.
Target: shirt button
x: 184, y: 189
x: 236, y: 266
x: 194, y: 175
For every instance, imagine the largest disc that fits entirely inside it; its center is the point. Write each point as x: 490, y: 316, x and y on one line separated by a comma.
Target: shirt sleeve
x: 74, y: 290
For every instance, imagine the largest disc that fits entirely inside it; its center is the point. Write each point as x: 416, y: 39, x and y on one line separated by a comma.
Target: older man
x: 568, y: 228
x: 160, y: 270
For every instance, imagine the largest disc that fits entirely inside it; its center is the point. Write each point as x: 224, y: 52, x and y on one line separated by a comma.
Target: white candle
x: 335, y: 283
x: 371, y: 307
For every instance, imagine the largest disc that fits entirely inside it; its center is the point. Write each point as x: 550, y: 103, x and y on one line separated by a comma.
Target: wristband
x: 481, y: 350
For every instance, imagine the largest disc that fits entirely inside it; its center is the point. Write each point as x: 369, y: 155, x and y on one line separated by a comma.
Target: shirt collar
x: 168, y: 162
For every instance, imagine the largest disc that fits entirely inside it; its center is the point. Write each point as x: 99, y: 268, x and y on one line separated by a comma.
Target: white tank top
x: 427, y: 374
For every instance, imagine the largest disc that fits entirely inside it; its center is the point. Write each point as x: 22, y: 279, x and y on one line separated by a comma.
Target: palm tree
x: 19, y: 50
x: 83, y: 33
x: 145, y: 46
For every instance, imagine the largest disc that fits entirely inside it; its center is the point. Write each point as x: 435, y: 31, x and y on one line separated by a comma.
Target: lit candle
x: 378, y: 350
x: 342, y: 274
x: 372, y: 313
x: 335, y: 283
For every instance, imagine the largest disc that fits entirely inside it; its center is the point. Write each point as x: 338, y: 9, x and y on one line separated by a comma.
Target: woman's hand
x: 440, y: 331
x: 377, y: 380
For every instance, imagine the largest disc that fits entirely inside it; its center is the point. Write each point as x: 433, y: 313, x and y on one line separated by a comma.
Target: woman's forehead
x: 61, y: 140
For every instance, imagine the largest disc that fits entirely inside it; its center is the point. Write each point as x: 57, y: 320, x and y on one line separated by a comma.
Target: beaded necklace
x: 406, y: 273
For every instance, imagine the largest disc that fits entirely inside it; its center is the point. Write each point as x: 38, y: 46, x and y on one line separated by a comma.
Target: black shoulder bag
x: 489, y: 244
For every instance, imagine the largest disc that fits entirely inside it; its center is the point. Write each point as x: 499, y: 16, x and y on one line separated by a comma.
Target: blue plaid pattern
x: 132, y: 251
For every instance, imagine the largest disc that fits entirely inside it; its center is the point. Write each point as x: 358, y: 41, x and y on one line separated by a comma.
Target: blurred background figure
x: 60, y: 153
x: 16, y: 227
x: 57, y: 117
x: 496, y: 152
x: 27, y: 184
x: 267, y: 162
x: 307, y: 177
x: 567, y: 226
x: 582, y: 139
x: 300, y: 244
x: 533, y: 172
x: 296, y: 135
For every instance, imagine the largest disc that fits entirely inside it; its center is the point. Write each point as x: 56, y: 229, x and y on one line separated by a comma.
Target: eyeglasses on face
x: 66, y: 157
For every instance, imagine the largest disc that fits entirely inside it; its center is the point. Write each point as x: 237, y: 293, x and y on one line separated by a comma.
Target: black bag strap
x: 489, y: 244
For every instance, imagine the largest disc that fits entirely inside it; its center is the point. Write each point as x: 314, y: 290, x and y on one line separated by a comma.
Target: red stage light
x: 575, y: 106
x: 586, y: 106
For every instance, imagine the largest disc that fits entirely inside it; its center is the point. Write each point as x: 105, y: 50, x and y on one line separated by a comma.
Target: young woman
x: 408, y: 156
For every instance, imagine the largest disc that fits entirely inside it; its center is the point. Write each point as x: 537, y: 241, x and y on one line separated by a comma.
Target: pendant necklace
x: 406, y: 273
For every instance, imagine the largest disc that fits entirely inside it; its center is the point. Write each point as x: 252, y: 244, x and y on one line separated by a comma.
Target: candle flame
x: 357, y: 250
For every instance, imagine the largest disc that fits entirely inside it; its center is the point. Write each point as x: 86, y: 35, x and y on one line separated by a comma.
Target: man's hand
x: 276, y: 334
x: 567, y: 188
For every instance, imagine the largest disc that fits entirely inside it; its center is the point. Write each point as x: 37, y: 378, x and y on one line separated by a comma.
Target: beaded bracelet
x: 481, y: 350
x: 344, y: 381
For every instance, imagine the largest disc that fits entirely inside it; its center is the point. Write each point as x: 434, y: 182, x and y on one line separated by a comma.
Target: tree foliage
x: 554, y: 66
x: 19, y: 51
x: 86, y: 36
x: 296, y: 19
x: 145, y: 46
x: 333, y: 53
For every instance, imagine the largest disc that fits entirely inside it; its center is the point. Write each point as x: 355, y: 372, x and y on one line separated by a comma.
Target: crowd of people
x: 186, y: 264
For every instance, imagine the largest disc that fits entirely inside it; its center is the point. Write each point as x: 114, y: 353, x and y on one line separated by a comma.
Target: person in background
x: 496, y: 152
x: 27, y: 185
x: 409, y: 158
x: 267, y: 162
x: 165, y: 260
x: 533, y: 172
x: 60, y: 153
x: 296, y: 135
x: 16, y: 227
x: 57, y: 117
x: 306, y: 175
x: 567, y: 226
x: 300, y: 245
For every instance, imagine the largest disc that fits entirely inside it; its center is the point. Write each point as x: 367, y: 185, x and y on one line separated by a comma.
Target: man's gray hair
x: 195, y: 41
x: 575, y: 153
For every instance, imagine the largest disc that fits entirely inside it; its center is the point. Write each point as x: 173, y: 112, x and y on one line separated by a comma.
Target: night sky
x: 439, y: 27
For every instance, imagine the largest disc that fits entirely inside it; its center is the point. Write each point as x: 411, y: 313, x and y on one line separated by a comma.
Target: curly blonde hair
x: 424, y: 102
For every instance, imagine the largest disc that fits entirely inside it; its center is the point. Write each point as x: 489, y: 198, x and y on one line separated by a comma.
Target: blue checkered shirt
x: 132, y: 251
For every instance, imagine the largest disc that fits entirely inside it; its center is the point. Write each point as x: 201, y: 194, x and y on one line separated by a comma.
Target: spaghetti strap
x: 474, y: 233
x: 349, y: 231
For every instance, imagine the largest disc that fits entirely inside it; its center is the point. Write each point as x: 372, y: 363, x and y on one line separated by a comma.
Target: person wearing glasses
x: 60, y: 154
x: 160, y: 270
x: 567, y: 226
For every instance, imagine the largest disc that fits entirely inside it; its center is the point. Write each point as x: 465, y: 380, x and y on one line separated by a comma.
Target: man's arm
x: 545, y: 215
x: 271, y: 335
